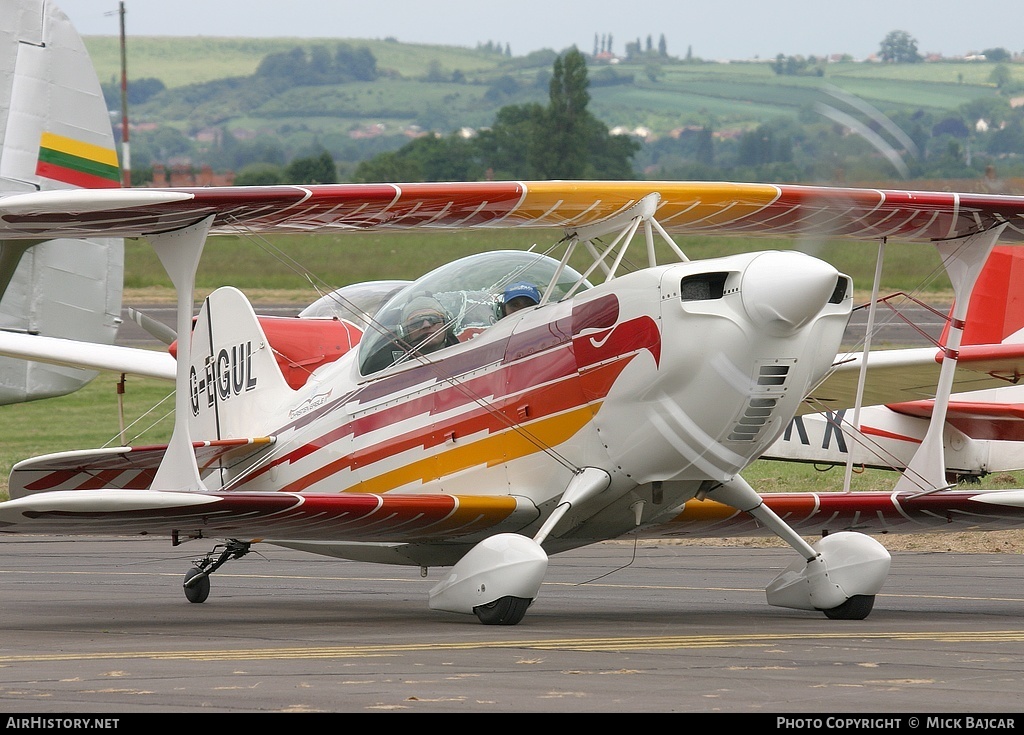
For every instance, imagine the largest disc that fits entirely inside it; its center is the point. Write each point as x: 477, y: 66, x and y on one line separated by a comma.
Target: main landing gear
x: 197, y: 579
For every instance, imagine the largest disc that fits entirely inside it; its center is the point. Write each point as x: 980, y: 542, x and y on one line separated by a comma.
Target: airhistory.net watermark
x: 61, y: 723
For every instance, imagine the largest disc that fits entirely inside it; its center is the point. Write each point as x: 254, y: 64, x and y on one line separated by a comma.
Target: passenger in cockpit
x: 519, y: 296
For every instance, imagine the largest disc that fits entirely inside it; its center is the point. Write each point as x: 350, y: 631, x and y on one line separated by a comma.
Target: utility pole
x: 126, y: 158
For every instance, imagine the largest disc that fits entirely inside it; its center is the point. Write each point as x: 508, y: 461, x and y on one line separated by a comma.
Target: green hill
x: 180, y: 61
x: 210, y: 85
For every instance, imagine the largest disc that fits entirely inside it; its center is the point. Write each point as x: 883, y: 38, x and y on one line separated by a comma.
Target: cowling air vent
x: 769, y: 385
x: 703, y: 287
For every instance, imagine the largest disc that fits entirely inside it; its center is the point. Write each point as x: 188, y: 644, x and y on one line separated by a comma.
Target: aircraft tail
x: 996, y: 312
x: 234, y: 379
x: 55, y: 133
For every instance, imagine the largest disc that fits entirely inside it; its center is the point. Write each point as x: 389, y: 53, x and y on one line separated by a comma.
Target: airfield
x: 101, y: 626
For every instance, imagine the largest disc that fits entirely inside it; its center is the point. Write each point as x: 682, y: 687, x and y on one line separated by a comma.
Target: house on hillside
x: 185, y: 175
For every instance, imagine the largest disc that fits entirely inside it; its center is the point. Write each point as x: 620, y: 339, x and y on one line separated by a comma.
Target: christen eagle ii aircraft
x: 620, y: 403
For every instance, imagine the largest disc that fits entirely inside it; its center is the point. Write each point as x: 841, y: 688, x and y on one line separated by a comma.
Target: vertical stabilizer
x: 55, y: 133
x: 996, y: 311
x: 236, y: 387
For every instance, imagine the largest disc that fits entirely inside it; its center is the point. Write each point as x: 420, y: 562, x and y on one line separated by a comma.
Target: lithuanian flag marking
x: 77, y: 163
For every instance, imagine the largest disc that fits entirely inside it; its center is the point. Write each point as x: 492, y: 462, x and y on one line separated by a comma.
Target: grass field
x: 292, y: 262
x: 182, y: 60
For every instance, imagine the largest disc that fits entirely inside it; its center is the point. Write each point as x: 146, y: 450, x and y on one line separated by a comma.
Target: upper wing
x: 684, y: 207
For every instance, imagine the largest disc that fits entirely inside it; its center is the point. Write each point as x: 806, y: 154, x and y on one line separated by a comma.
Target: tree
x: 1000, y: 76
x: 564, y: 146
x: 997, y: 55
x: 560, y: 141
x: 319, y: 169
x: 899, y: 47
x: 356, y: 63
x: 506, y: 147
x: 705, y: 149
x: 1009, y: 139
x: 260, y: 174
x: 141, y: 90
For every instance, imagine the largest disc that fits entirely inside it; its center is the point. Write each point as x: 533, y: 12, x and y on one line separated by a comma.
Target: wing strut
x: 624, y: 225
x: 963, y: 259
x: 862, y: 377
x: 179, y: 252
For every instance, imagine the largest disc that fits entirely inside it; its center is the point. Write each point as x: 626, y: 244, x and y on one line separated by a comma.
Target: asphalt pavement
x: 102, y: 626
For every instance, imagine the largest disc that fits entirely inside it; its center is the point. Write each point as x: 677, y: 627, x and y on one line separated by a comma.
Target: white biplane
x: 619, y: 404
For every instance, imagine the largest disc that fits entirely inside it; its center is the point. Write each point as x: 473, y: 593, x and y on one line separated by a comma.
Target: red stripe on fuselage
x: 536, y: 387
x: 490, y: 417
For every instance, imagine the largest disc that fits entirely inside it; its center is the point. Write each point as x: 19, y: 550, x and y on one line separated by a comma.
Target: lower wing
x: 819, y: 514
x: 337, y: 517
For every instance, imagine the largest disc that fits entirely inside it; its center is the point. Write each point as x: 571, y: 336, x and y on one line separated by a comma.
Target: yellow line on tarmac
x: 632, y: 643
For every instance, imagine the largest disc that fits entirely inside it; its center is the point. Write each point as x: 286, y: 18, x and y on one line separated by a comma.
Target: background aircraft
x: 622, y: 403
x: 62, y: 286
x: 982, y: 433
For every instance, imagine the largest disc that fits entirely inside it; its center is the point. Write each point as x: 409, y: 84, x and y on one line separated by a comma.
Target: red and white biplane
x: 619, y: 404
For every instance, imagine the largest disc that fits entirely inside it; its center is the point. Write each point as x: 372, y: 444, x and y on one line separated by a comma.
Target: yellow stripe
x: 78, y: 148
x: 584, y: 202
x: 495, y: 449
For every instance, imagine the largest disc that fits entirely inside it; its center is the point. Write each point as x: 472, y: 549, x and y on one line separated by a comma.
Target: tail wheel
x: 200, y: 589
x: 856, y: 608
x: 503, y: 611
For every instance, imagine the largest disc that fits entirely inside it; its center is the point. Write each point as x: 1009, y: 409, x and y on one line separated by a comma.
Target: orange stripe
x: 493, y: 450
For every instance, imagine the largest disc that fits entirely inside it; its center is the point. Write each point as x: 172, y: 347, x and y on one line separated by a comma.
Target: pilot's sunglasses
x: 430, y: 319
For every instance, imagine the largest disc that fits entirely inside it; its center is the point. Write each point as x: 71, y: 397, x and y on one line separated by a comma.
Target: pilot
x: 518, y: 296
x: 425, y: 325
x: 423, y: 329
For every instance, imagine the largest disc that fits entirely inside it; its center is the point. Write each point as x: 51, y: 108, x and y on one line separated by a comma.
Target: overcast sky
x: 729, y: 29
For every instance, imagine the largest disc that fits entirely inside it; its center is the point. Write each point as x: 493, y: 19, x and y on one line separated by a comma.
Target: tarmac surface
x: 102, y: 626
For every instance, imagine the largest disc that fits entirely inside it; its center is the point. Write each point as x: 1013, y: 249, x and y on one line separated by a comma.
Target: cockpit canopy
x: 356, y: 303
x: 470, y: 291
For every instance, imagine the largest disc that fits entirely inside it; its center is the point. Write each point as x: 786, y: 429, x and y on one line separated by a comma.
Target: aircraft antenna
x: 126, y: 159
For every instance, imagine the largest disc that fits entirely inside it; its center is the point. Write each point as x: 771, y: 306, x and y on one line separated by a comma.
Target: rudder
x: 996, y: 312
x: 235, y: 383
